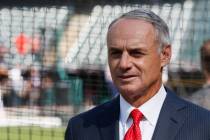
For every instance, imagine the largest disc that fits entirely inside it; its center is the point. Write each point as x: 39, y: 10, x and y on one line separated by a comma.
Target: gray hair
x: 162, y: 31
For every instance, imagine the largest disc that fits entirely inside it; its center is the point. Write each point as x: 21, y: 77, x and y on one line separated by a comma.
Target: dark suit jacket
x: 178, y: 120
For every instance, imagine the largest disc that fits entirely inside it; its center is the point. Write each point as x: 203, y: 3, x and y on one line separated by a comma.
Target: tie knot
x: 136, y: 115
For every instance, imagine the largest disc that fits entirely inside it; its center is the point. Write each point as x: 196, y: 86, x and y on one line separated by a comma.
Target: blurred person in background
x: 3, y: 87
x: 138, y: 49
x: 202, y: 96
x: 47, y: 97
x: 35, y: 83
x: 16, y: 85
x: 31, y: 86
x: 3, y: 75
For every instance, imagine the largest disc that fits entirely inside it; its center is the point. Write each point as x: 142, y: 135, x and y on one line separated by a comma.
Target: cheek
x: 113, y: 65
x: 154, y: 68
x: 110, y: 62
x: 112, y: 68
x: 148, y: 66
x: 141, y: 65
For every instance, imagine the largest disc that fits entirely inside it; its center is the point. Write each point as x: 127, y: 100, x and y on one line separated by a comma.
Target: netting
x: 53, y: 60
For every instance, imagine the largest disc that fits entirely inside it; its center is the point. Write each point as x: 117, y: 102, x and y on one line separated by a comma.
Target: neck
x: 146, y: 95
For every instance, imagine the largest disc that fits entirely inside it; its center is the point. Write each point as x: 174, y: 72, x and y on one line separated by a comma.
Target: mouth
x: 126, y: 78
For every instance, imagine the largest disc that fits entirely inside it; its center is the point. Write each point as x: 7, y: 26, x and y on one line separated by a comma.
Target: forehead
x: 126, y: 28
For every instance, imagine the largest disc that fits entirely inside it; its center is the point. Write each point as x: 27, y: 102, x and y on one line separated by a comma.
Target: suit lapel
x: 109, y: 122
x: 171, y: 118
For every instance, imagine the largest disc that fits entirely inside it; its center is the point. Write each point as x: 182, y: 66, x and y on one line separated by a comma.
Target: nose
x: 125, y: 63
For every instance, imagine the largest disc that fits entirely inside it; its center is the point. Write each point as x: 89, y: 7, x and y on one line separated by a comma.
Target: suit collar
x: 171, y: 118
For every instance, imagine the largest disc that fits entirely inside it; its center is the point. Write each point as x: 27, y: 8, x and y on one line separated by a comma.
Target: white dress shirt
x: 150, y: 109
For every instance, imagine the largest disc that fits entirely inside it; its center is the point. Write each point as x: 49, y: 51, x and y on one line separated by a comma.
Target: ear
x: 165, y: 55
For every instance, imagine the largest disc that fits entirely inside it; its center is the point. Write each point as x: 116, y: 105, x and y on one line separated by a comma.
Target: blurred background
x: 53, y: 58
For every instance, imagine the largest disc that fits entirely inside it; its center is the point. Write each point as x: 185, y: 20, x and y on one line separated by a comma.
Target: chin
x: 130, y: 95
x: 133, y: 90
x: 127, y: 90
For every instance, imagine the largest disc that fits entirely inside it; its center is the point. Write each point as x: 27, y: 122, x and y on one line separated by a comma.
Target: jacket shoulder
x: 188, y: 108
x: 84, y: 124
x: 99, y: 112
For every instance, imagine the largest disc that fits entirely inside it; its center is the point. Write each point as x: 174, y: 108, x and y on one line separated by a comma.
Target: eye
x: 136, y: 53
x: 115, y: 53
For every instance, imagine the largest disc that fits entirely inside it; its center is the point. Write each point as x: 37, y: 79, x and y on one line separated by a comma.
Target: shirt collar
x: 150, y: 109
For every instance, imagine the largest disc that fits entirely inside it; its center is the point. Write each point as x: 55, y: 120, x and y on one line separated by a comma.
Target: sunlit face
x: 134, y: 58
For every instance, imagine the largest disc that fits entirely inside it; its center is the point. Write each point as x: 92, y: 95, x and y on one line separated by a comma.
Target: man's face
x: 134, y: 58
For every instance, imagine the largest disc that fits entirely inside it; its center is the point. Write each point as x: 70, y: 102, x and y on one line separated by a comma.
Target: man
x: 3, y: 83
x: 138, y: 49
x: 202, y: 96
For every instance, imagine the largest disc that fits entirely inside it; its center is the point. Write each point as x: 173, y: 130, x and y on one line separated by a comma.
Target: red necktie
x: 134, y: 132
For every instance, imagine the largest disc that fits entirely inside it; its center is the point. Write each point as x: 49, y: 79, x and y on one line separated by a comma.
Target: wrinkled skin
x: 135, y: 59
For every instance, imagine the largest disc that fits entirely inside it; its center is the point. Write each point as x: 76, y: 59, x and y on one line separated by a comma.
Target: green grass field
x: 31, y: 133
